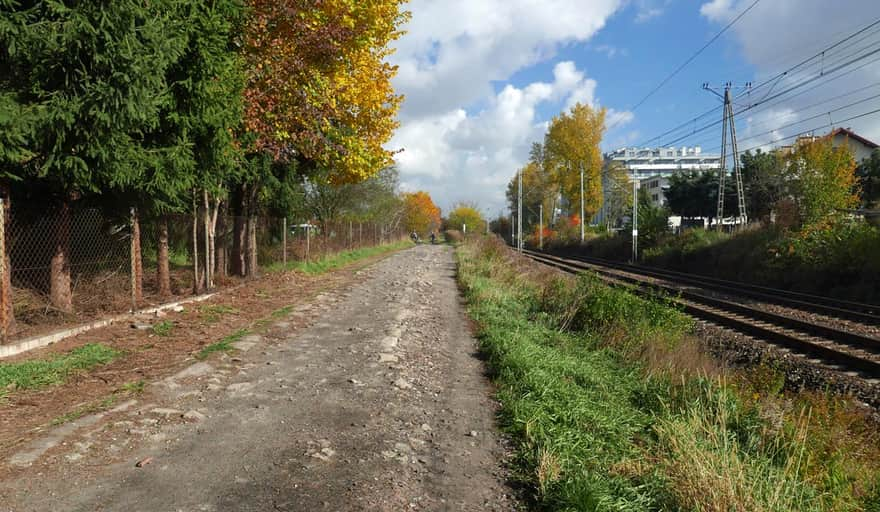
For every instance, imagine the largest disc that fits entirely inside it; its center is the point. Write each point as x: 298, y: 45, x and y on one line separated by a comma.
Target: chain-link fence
x: 73, y: 264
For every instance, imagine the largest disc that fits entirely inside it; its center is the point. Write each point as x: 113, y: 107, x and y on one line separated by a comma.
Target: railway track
x: 836, y: 348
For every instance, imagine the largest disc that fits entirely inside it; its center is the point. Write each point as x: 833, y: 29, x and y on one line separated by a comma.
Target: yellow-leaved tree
x: 821, y: 179
x: 571, y: 145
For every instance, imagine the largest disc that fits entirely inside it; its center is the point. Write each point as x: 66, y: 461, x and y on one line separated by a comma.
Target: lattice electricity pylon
x: 728, y: 121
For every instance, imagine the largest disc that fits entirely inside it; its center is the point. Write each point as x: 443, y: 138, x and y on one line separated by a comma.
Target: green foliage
x: 868, y: 174
x: 39, y: 373
x: 653, y: 221
x: 764, y: 181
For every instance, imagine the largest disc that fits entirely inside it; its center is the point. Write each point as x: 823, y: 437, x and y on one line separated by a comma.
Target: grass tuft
x: 163, y: 328
x: 40, y: 373
x: 224, y: 345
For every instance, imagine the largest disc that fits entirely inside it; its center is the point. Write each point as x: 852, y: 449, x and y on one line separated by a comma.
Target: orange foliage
x: 421, y: 214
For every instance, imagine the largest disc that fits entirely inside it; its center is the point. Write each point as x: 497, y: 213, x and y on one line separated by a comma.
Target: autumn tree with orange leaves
x: 420, y: 213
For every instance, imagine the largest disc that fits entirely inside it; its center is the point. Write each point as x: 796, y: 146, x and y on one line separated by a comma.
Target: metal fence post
x: 284, y: 243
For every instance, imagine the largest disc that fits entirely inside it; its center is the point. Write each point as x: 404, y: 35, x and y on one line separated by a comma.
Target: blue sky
x: 483, y: 77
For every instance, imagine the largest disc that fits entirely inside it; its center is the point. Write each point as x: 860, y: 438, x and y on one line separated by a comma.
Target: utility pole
x: 519, y: 240
x: 541, y: 227
x: 512, y: 229
x: 582, y: 202
x: 635, y: 251
x: 729, y: 123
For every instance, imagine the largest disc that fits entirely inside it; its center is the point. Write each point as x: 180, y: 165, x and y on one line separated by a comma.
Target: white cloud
x: 456, y: 48
x: 611, y: 51
x: 777, y: 34
x: 470, y: 157
x: 647, y: 15
x: 462, y: 139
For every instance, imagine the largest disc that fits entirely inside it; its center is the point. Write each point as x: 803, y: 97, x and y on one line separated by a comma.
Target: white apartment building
x: 653, y: 166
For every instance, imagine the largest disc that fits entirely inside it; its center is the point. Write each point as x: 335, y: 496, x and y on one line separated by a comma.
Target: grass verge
x: 339, y: 259
x: 40, y: 373
x: 613, y: 406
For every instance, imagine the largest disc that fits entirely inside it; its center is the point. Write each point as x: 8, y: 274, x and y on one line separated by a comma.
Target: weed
x: 133, y: 388
x: 163, y: 328
x: 84, y: 410
x: 212, y: 313
x: 282, y: 312
x: 224, y: 345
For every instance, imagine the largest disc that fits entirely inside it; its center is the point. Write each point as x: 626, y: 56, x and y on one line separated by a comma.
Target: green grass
x: 224, y: 345
x: 282, y: 312
x: 338, y: 260
x: 134, y: 387
x: 40, y: 373
x: 163, y: 328
x: 213, y: 313
x: 602, y: 394
x: 79, y: 412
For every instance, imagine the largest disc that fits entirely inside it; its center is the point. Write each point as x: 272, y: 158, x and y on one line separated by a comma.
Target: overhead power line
x: 779, y: 95
x: 692, y: 57
x: 784, y: 74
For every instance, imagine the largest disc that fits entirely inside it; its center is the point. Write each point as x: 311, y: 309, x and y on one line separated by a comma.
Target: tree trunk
x: 206, y: 216
x: 251, y: 263
x: 7, y: 315
x: 59, y: 268
x: 221, y: 241
x: 197, y: 282
x: 239, y: 232
x: 137, y: 264
x: 163, y: 272
x: 251, y: 246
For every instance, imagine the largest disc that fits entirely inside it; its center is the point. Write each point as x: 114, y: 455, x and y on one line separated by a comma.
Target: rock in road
x: 381, y: 404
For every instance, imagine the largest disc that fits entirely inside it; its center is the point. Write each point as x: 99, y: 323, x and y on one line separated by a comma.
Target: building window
x: 655, y: 197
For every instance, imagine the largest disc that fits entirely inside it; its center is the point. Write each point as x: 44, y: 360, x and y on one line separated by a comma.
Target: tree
x: 868, y: 174
x: 538, y: 190
x: 695, y: 195
x: 764, y: 182
x: 821, y: 179
x: 617, y: 195
x: 653, y: 221
x: 421, y: 214
x: 572, y: 144
x: 91, y: 76
x: 465, y: 217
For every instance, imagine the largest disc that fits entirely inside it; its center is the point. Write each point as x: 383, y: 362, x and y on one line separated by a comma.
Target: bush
x: 453, y: 236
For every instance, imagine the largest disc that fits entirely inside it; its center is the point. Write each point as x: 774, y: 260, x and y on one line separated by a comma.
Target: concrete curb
x: 48, y: 339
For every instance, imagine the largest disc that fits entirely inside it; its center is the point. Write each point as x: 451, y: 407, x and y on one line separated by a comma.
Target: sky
x: 482, y: 79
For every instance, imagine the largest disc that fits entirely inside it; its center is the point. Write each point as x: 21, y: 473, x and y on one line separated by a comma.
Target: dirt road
x: 381, y: 404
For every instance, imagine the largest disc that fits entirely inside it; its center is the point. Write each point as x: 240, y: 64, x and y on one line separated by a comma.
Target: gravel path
x: 381, y: 404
